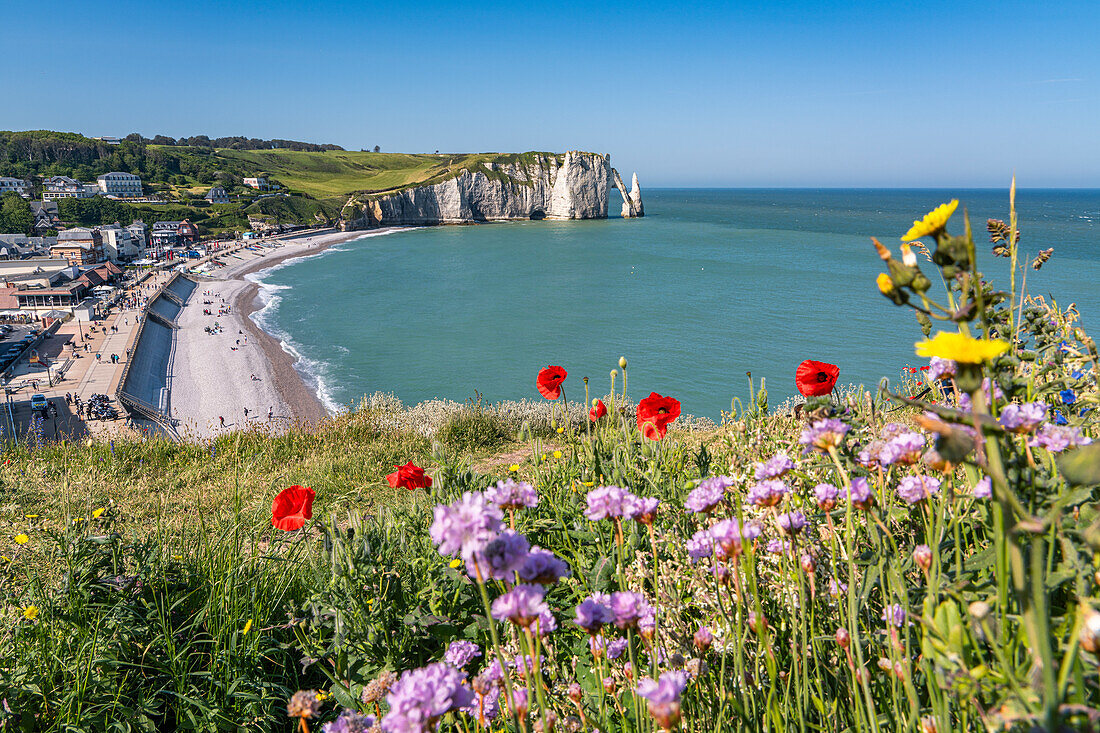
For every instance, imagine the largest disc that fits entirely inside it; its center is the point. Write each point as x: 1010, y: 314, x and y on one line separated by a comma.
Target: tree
x: 16, y: 216
x: 377, y: 149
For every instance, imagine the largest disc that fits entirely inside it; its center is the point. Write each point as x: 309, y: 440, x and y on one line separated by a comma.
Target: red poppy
x: 409, y: 477
x: 816, y: 378
x: 292, y: 507
x: 655, y: 413
x: 549, y: 382
x: 598, y: 411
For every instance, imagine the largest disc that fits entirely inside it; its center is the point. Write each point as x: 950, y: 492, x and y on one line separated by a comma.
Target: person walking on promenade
x: 222, y: 420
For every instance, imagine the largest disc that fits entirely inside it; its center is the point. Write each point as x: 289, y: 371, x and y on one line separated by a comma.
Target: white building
x: 119, y: 243
x: 260, y: 184
x: 13, y: 185
x: 120, y: 185
x: 140, y: 233
x: 63, y: 187
x: 217, y: 195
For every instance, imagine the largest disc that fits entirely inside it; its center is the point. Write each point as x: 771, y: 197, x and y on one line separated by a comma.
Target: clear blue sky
x: 738, y: 94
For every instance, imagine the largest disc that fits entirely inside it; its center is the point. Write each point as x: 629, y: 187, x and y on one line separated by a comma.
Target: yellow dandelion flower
x: 513, y: 468
x: 456, y: 563
x: 960, y: 348
x: 247, y: 627
x: 78, y: 520
x: 589, y: 484
x: 22, y: 539
x: 557, y: 454
x: 561, y: 430
x: 98, y: 513
x: 933, y: 221
x: 30, y: 613
x: 177, y: 557
x: 885, y: 284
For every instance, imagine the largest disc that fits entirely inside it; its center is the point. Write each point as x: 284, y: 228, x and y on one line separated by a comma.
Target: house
x: 119, y: 185
x: 63, y: 187
x: 14, y: 185
x: 119, y: 244
x: 20, y: 246
x: 165, y: 233
x: 140, y: 233
x: 79, y: 246
x: 259, y: 183
x: 42, y: 283
x: 187, y: 233
x: 217, y: 195
x: 45, y: 216
x: 110, y: 140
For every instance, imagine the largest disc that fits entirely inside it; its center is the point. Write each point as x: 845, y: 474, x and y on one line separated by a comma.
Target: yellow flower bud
x: 622, y: 362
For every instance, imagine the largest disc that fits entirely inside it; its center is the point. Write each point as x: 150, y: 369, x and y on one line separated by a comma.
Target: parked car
x: 39, y: 403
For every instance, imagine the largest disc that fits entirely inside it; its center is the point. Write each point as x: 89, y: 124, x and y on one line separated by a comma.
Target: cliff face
x: 531, y: 186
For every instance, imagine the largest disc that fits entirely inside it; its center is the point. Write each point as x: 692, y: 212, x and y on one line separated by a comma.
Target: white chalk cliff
x: 574, y: 185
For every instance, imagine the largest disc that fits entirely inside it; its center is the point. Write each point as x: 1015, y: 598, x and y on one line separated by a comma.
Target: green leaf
x: 1081, y: 467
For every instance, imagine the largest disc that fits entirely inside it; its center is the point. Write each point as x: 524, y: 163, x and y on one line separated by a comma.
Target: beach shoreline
x: 235, y: 375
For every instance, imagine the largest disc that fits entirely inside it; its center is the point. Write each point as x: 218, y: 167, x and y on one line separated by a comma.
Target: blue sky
x: 792, y: 93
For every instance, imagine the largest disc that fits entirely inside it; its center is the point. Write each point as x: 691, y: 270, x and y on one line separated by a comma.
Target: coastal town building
x: 79, y: 246
x: 140, y: 233
x: 63, y: 187
x: 187, y: 233
x: 217, y: 195
x: 20, y: 246
x: 13, y: 185
x: 165, y: 233
x: 258, y: 183
x: 45, y: 217
x: 49, y: 283
x: 119, y: 244
x: 119, y: 185
x: 110, y: 140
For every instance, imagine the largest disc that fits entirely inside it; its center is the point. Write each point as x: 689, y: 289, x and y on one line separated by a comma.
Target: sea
x: 711, y: 285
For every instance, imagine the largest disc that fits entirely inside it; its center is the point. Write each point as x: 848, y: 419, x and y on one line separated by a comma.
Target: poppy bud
x: 843, y: 638
x: 885, y: 664
x: 628, y: 670
x: 922, y: 556
x: 622, y: 362
x: 595, y: 401
x: 614, y: 373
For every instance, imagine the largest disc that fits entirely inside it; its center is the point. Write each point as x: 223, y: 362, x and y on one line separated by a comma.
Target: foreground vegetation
x: 919, y: 558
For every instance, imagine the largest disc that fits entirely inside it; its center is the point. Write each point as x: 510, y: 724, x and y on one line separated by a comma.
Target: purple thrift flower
x: 501, y: 557
x: 823, y: 435
x: 519, y: 702
x: 668, y: 689
x: 645, y: 509
x: 708, y: 494
x: 460, y: 652
x: 774, y: 467
x: 751, y: 530
x: 1023, y: 418
x: 609, y: 502
x: 894, y: 615
x: 612, y: 649
x: 904, y: 448
x: 422, y: 696
x: 939, y: 368
x: 870, y: 456
x: 465, y: 526
x: 593, y: 612
x: 766, y: 493
x: 521, y: 605
x: 486, y: 705
x: 703, y: 638
x: 542, y: 567
x: 726, y: 534
x: 1056, y: 439
x: 510, y: 494
x: 629, y: 608
x: 914, y: 489
x: 700, y: 545
x: 791, y: 523
x: 826, y: 495
x: 547, y: 623
x: 861, y: 495
x: 984, y: 488
x: 349, y: 721
x: 778, y: 546
x: 837, y: 589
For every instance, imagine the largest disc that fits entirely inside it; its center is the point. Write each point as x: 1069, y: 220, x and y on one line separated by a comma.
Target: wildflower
x: 703, y: 638
x: 894, y: 615
x: 816, y: 378
x: 455, y: 563
x: 303, y: 704
x: 914, y: 489
x: 656, y: 412
x: 905, y: 448
x: 860, y: 494
x: 30, y: 613
x: 549, y: 382
x: 409, y: 477
x: 774, y: 467
x: 460, y: 652
x: 934, y: 222
x: 984, y: 488
x: 824, y: 434
x: 465, y: 526
x: 806, y: 562
x: 792, y: 523
x: 521, y: 605
x: 422, y: 696
x: 645, y: 509
x: 709, y: 494
x: 1023, y: 418
x: 726, y: 534
x: 519, y: 703
x: 557, y: 454
x: 501, y: 556
x: 542, y: 567
x: 609, y: 502
x: 751, y: 530
x: 700, y: 546
x: 961, y: 348
x: 611, y: 649
x: 247, y: 627
x: 377, y: 688
x: 486, y: 704
x: 350, y: 721
x: 513, y: 468
x: 22, y: 539
x: 1056, y: 439
x: 766, y: 493
x: 292, y: 507
x: 1068, y: 396
x: 629, y: 608
x: 509, y: 494
x: 593, y: 612
x: 837, y: 589
x: 664, y: 697
x: 599, y: 409
x: 826, y: 495
x: 869, y: 456
x: 96, y: 514
x: 941, y: 369
x: 922, y: 556
x: 547, y: 624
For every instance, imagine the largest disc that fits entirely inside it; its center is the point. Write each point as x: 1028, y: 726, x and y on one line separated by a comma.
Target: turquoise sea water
x: 709, y: 285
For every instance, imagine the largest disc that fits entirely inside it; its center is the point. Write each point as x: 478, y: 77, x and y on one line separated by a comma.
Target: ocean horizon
x: 711, y: 284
